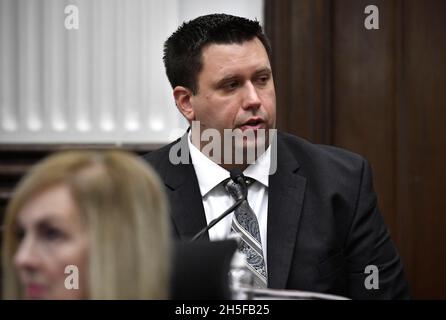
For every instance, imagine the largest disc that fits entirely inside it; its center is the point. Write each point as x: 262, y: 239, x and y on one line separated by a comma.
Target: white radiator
x: 102, y: 83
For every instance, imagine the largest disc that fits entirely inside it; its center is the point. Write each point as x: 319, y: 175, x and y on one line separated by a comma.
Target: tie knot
x: 235, y: 189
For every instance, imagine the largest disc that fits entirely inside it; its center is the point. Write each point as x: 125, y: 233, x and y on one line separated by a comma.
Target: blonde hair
x: 121, y: 201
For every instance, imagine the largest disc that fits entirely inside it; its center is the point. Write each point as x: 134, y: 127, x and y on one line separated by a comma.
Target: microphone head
x: 235, y: 174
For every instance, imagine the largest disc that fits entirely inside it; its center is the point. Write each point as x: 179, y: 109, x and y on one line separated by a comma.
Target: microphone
x: 238, y: 177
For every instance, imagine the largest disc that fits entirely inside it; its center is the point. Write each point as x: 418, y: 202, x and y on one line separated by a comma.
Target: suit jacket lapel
x: 285, y: 200
x: 186, y: 203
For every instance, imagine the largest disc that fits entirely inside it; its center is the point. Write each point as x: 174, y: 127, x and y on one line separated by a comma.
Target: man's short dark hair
x: 183, y: 49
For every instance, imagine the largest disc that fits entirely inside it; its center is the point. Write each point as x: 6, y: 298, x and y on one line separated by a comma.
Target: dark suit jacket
x: 324, y: 225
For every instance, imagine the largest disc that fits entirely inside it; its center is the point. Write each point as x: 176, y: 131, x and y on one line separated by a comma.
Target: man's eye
x: 263, y: 79
x: 231, y: 85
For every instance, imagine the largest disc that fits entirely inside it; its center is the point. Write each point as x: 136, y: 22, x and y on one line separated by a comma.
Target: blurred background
x: 380, y: 93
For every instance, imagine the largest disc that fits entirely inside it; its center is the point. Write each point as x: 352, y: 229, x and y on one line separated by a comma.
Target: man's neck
x: 221, y: 160
x: 229, y: 167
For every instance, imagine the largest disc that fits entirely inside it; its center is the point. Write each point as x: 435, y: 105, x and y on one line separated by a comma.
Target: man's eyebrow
x: 263, y: 70
x: 231, y: 77
x: 225, y: 79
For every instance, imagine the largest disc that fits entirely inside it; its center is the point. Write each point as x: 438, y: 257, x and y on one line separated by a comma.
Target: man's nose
x: 251, y: 97
x: 26, y: 256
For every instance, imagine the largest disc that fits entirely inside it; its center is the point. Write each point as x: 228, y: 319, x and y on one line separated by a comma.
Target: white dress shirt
x: 216, y: 199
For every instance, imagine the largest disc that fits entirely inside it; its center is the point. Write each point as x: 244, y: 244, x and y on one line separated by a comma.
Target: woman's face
x: 51, y: 256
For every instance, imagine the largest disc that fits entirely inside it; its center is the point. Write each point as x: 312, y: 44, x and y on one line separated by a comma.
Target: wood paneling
x: 364, y: 93
x: 380, y: 93
x: 422, y: 142
x: 302, y: 66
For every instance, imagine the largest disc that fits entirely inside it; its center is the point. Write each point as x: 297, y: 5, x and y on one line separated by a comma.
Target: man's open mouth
x: 253, y: 123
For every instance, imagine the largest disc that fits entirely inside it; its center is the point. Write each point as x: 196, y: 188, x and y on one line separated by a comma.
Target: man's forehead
x: 234, y: 49
x: 228, y: 58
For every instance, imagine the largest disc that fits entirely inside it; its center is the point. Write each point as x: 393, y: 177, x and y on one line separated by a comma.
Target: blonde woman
x: 87, y: 225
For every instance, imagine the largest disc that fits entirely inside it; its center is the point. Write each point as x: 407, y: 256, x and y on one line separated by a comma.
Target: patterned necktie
x: 245, y: 223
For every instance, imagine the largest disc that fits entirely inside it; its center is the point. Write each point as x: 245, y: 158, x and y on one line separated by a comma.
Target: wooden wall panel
x: 422, y: 144
x: 380, y: 93
x: 301, y: 67
x: 363, y: 87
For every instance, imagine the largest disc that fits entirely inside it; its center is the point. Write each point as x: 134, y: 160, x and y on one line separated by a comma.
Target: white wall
x: 102, y: 83
x: 190, y: 9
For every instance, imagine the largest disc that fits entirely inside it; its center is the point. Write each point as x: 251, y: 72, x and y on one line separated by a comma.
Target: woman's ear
x: 182, y: 97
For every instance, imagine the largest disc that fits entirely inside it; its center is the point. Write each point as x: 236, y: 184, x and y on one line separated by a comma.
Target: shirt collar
x: 210, y: 174
x: 260, y: 169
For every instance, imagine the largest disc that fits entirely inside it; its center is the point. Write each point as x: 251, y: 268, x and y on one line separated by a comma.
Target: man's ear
x: 182, y: 97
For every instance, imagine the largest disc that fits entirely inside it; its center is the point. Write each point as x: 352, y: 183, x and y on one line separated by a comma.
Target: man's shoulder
x: 329, y: 170
x: 321, y: 157
x: 313, y: 150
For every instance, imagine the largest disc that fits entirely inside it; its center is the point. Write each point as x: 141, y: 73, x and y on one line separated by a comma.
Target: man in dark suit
x: 317, y: 222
